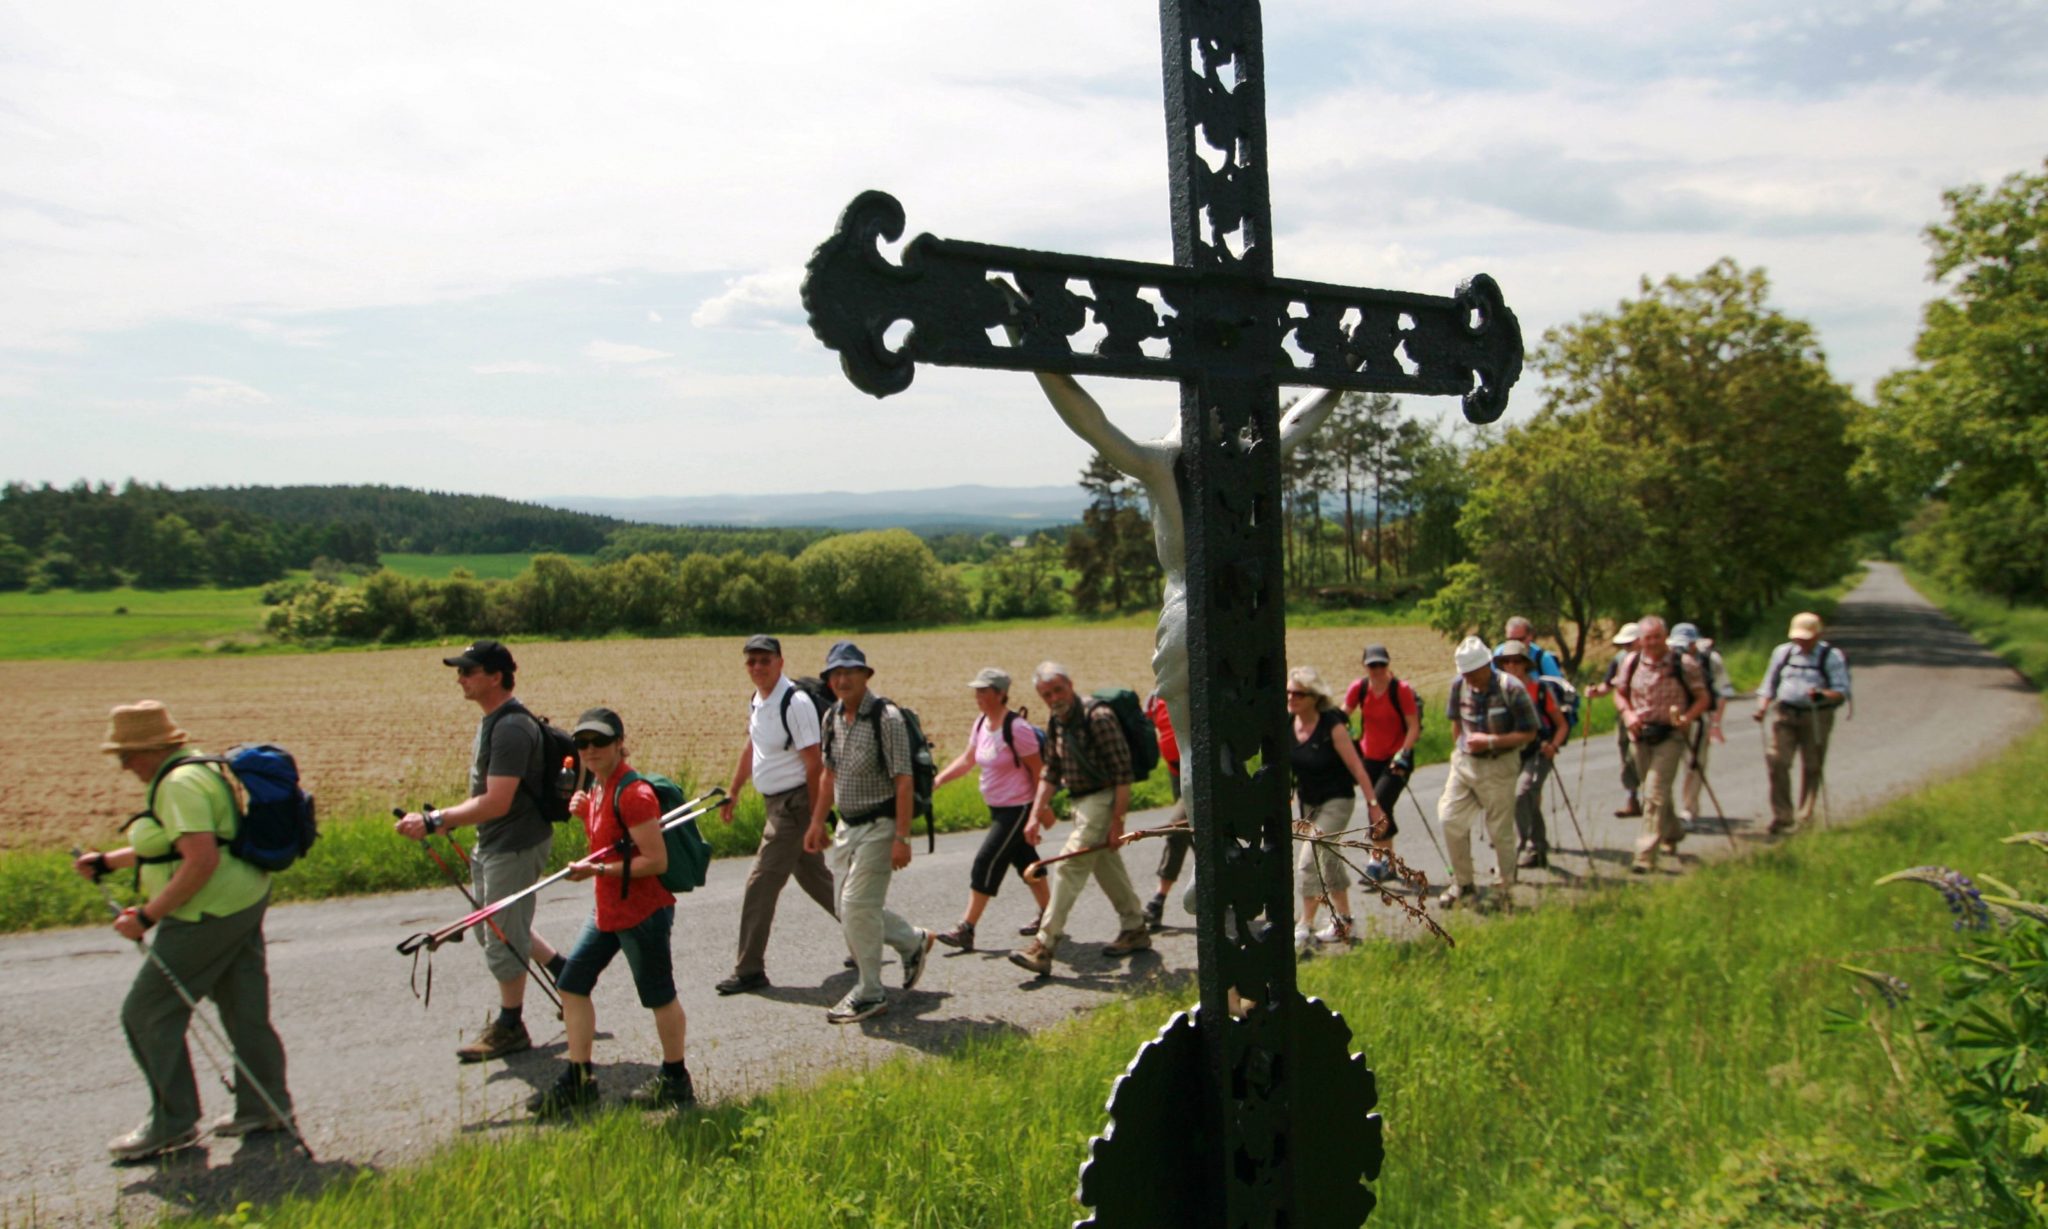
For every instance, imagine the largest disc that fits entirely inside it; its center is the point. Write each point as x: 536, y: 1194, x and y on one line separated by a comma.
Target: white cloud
x: 216, y: 391
x: 618, y: 352
x: 288, y: 334
x: 756, y: 301
x: 517, y: 367
x: 654, y: 317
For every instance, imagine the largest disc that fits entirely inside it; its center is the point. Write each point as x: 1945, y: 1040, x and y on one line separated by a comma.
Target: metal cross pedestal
x: 1252, y: 1111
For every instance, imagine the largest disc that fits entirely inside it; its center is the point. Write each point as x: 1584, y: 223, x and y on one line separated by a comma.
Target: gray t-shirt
x: 507, y: 745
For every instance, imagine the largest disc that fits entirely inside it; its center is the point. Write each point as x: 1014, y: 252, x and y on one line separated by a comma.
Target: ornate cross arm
x: 1159, y: 322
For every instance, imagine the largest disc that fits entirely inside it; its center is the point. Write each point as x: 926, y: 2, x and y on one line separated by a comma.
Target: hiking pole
x: 149, y: 953
x: 1692, y: 750
x: 1036, y: 870
x: 430, y: 940
x: 546, y: 984
x: 1430, y: 829
x: 1592, y: 864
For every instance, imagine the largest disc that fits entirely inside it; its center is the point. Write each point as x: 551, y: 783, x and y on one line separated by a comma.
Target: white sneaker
x: 853, y: 1008
x: 1453, y: 894
x: 1338, y: 931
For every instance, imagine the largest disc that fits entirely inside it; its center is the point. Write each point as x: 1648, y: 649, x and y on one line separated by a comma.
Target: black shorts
x: 1386, y: 790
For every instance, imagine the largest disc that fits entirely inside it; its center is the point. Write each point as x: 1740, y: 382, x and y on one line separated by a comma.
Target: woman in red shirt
x: 1389, y: 722
x: 634, y: 914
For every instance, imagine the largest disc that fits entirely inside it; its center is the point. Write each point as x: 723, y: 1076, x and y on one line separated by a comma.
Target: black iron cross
x: 1258, y: 1118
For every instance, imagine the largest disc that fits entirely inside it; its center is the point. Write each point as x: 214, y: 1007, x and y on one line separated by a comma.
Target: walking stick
x: 1592, y: 863
x: 149, y: 953
x: 433, y: 939
x: 1036, y: 870
x: 1692, y: 751
x: 1430, y: 829
x: 533, y: 969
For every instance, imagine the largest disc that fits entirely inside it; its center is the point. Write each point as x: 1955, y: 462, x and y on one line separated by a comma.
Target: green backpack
x: 689, y: 854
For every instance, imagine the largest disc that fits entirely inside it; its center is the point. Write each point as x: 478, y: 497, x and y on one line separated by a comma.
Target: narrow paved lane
x: 378, y: 1085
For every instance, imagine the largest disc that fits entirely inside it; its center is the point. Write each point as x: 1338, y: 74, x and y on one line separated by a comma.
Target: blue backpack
x: 278, y: 825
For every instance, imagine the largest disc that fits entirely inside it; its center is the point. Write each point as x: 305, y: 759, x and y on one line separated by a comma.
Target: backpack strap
x: 788, y: 738
x: 1010, y: 740
x: 625, y: 845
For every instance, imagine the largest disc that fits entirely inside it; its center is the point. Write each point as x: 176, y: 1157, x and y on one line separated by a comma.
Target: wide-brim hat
x: 145, y: 726
x: 1684, y: 636
x: 1512, y: 649
x: 1628, y: 635
x: 1805, y: 623
x: 845, y: 655
x: 1472, y: 654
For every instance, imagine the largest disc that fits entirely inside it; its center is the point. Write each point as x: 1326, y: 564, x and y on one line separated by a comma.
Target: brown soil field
x: 373, y: 730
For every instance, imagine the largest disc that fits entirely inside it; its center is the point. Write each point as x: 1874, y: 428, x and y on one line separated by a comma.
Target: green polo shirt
x: 193, y: 799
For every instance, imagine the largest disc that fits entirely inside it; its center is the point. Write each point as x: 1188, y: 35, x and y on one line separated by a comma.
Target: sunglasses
x: 585, y: 742
x: 463, y: 672
x: 1298, y: 695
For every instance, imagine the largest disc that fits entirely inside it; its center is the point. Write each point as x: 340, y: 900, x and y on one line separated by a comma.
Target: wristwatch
x: 432, y: 820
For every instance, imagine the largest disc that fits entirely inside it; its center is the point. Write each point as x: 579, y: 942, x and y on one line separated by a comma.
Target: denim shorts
x: 647, y: 954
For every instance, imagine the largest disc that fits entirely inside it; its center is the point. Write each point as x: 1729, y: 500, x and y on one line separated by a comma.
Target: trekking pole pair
x: 430, y: 940
x: 149, y: 953
x: 1692, y: 752
x: 533, y: 969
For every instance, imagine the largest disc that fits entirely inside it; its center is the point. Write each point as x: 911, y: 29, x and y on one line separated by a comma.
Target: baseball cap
x: 1376, y: 655
x: 1628, y: 634
x: 487, y: 655
x: 992, y: 677
x: 600, y: 721
x: 763, y: 644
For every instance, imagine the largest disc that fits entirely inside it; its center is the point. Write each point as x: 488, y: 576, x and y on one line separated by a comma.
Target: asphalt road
x: 377, y: 1083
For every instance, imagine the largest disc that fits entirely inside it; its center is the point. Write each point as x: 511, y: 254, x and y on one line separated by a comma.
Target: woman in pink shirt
x: 1004, y: 747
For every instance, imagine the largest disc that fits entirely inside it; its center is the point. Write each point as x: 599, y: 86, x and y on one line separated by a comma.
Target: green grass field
x: 1640, y: 1057
x: 125, y: 624
x: 483, y: 567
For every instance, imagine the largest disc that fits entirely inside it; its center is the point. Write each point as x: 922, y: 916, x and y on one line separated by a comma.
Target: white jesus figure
x: 1151, y: 464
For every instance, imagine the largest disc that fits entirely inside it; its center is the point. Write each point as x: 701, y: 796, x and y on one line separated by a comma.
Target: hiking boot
x: 664, y: 1093
x: 1455, y: 893
x: 916, y: 960
x: 1133, y: 940
x: 1339, y: 930
x: 143, y: 1143
x: 234, y: 1126
x: 851, y: 963
x: 574, y: 1091
x: 853, y: 1007
x: 742, y: 983
x: 496, y: 1041
x: 1155, y: 913
x: 1632, y: 810
x: 1037, y: 957
x: 1780, y: 827
x: 1030, y: 929
x: 1532, y: 858
x: 961, y: 936
x: 1641, y: 868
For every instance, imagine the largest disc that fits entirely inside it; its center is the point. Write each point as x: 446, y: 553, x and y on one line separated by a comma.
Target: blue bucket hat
x: 1684, y: 635
x: 843, y: 655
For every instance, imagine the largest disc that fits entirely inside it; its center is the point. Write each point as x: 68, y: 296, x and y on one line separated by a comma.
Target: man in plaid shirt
x: 1658, y: 695
x: 1085, y: 753
x: 866, y: 748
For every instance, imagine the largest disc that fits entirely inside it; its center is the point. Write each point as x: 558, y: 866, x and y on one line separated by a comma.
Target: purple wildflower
x: 1961, y: 895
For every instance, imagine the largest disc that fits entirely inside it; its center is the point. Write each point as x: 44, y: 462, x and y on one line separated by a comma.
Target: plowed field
x: 376, y: 729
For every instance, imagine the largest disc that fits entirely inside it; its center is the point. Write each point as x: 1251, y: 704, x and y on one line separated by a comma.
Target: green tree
x: 555, y: 596
x: 878, y: 576
x: 1554, y: 532
x: 1023, y: 582
x: 1736, y: 427
x: 174, y: 557
x: 1111, y: 550
x: 15, y: 562
x: 1968, y: 422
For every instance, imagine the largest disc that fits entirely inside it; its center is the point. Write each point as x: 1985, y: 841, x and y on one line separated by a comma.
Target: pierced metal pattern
x: 1157, y: 322
x: 1255, y: 1103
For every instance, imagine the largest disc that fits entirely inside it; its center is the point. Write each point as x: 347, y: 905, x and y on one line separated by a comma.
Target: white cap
x: 1628, y: 635
x: 1472, y: 654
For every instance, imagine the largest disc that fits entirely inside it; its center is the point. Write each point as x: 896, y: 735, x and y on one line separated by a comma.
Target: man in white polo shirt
x: 781, y: 757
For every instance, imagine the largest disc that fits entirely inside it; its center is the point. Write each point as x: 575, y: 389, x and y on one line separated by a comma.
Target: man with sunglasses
x: 513, y: 838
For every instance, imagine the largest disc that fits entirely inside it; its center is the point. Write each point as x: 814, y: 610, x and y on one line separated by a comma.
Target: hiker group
x: 844, y: 773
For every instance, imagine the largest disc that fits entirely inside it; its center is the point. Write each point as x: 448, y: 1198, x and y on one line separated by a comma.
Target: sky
x: 542, y: 249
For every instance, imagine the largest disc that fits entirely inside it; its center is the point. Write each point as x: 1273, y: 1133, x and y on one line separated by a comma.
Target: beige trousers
x: 1480, y: 789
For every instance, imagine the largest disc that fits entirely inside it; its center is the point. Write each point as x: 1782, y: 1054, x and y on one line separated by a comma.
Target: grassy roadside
x: 1640, y: 1057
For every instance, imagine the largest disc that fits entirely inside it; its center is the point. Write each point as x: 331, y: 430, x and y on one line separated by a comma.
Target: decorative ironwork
x: 1252, y: 1111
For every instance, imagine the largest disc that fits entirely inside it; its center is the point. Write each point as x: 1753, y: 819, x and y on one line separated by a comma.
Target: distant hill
x: 942, y: 509
x: 426, y: 522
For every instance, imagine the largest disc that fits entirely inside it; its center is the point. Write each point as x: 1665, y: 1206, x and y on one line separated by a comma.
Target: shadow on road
x: 264, y: 1169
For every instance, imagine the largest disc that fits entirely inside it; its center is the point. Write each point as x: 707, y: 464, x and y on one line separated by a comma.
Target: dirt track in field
x: 371, y: 730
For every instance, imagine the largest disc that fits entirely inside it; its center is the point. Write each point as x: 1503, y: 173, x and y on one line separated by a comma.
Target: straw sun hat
x: 145, y: 726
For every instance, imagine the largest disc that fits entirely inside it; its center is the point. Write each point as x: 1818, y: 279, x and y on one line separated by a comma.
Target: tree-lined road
x: 377, y: 1084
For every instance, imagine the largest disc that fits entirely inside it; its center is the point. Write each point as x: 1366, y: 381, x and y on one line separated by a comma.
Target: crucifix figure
x: 1259, y: 1118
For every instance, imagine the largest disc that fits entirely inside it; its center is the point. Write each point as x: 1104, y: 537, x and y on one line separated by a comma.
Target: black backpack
x: 1394, y: 695
x: 559, y: 772
x: 1139, y: 731
x: 1010, y: 721
x: 277, y: 826
x: 821, y: 699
